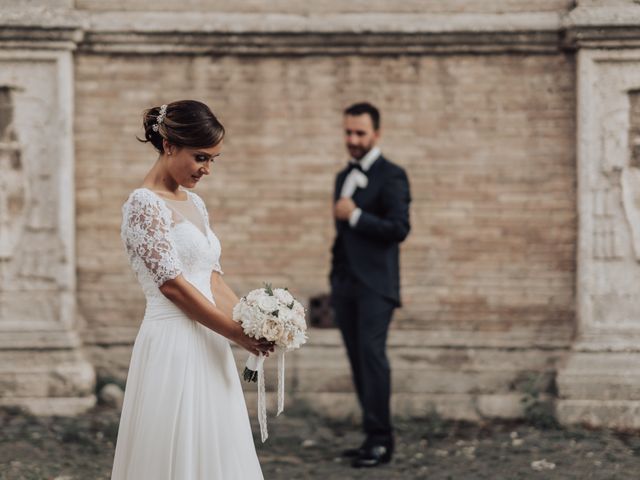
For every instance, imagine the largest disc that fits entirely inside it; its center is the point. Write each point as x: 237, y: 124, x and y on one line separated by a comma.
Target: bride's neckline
x: 184, y: 217
x: 169, y: 199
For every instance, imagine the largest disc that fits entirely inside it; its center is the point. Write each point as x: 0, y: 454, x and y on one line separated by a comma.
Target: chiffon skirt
x: 184, y: 416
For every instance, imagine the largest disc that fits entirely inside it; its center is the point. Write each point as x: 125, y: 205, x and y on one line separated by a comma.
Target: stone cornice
x: 40, y: 28
x: 603, y: 27
x: 330, y: 34
x: 39, y: 38
x: 375, y: 34
x: 281, y: 34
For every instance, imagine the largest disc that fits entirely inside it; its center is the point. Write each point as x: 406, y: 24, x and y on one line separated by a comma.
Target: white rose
x: 286, y: 338
x: 299, y: 322
x: 261, y: 318
x: 283, y: 296
x: 272, y: 329
x: 238, y: 309
x: 268, y: 303
x: 254, y: 295
x: 248, y: 318
x: 298, y: 339
x: 298, y: 308
x: 286, y: 316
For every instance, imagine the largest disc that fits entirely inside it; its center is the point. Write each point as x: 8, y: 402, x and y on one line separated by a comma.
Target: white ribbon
x: 257, y: 364
x: 280, y: 382
x: 262, y: 401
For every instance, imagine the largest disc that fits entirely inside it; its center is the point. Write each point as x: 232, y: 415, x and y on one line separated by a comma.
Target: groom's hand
x: 344, y: 208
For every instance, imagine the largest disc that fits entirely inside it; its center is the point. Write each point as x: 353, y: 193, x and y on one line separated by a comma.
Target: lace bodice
x: 162, y: 245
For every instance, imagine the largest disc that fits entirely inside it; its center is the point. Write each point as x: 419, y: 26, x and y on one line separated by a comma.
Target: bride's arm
x: 199, y: 308
x: 223, y: 295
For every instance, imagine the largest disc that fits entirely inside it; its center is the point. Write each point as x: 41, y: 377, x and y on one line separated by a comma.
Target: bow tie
x: 354, y: 166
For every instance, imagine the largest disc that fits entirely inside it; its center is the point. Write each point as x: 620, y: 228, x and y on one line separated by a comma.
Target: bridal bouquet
x: 275, y: 315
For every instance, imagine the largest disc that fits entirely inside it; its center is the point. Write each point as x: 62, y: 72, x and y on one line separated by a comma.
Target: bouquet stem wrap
x: 256, y: 364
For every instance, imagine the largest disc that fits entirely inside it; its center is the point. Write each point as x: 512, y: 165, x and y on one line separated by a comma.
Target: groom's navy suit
x: 365, y: 286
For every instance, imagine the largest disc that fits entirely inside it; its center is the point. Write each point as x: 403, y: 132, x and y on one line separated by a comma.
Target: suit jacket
x: 370, y: 250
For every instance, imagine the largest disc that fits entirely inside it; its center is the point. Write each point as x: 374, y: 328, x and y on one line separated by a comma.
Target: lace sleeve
x: 145, y: 233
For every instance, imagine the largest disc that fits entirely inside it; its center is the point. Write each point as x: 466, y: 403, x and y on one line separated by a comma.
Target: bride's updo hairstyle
x: 185, y: 123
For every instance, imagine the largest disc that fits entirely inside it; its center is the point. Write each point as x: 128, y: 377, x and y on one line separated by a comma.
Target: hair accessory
x: 160, y: 118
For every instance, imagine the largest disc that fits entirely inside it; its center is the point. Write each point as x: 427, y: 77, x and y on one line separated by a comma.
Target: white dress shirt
x: 356, y: 179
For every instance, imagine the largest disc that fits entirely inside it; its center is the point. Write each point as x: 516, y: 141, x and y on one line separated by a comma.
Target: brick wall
x: 487, y: 140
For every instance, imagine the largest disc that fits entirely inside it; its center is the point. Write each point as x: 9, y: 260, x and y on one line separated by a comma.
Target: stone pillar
x: 600, y: 382
x: 41, y: 364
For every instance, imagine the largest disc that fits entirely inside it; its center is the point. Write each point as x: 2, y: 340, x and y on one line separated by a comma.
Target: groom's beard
x: 357, y: 152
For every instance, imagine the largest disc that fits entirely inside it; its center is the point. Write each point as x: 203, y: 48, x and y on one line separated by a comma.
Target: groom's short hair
x: 362, y: 108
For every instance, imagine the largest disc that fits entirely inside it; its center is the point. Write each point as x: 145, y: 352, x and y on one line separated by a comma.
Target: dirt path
x: 304, y: 446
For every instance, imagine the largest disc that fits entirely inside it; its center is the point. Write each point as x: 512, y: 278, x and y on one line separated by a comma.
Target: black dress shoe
x: 372, y: 457
x: 353, y: 452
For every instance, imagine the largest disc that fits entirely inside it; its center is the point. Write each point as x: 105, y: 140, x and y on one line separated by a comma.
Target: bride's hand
x: 257, y: 347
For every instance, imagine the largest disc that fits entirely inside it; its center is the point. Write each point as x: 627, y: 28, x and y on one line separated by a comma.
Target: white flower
x: 250, y: 320
x: 255, y: 313
x: 298, y: 339
x: 299, y: 321
x: 254, y: 295
x: 272, y: 329
x: 241, y: 312
x: 268, y: 304
x: 237, y: 310
x: 283, y: 296
x: 261, y: 319
x: 286, y: 316
x: 286, y: 338
x: 298, y: 308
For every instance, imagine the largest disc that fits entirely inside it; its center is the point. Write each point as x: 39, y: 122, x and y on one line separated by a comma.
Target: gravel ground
x: 304, y: 446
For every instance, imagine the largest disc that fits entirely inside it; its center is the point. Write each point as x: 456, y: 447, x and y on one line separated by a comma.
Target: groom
x: 372, y: 218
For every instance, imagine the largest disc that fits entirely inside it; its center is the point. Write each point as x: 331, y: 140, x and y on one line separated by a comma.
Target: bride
x: 184, y: 416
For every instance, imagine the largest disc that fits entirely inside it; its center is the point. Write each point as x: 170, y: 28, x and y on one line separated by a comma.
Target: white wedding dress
x: 184, y: 416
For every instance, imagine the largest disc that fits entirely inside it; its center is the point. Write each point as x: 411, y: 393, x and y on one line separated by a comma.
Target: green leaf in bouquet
x: 269, y: 289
